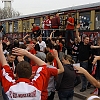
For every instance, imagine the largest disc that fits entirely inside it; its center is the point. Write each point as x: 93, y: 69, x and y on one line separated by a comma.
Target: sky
x: 26, y: 7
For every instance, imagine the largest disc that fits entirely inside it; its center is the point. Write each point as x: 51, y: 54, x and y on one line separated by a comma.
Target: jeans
x: 46, y: 34
x: 66, y: 95
x: 71, y: 33
x: 84, y: 80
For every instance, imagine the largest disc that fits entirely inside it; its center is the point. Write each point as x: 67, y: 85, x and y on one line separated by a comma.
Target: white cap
x: 93, y: 97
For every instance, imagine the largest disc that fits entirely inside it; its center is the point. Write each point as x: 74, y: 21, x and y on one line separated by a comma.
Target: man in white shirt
x: 41, y: 43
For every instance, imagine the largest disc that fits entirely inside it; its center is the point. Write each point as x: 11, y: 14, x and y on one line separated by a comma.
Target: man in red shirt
x: 35, y: 30
x: 49, y: 86
x: 55, y: 23
x: 23, y: 88
x: 69, y: 28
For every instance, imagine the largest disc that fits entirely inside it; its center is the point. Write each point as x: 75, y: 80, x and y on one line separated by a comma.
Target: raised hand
x: 95, y: 59
x: 77, y: 26
x: 19, y: 51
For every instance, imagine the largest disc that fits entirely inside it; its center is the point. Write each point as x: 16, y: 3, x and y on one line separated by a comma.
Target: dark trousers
x: 84, y: 64
x: 67, y: 34
x: 66, y: 95
x: 51, y: 97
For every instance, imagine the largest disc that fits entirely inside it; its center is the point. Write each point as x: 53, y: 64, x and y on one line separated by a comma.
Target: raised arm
x: 7, y: 74
x: 94, y: 47
x: 60, y: 66
x: 77, y: 33
x: 2, y: 57
x: 52, y: 34
x: 23, y: 52
x: 25, y: 37
x: 90, y: 78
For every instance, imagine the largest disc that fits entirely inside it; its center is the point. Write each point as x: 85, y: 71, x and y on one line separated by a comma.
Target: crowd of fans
x: 33, y: 68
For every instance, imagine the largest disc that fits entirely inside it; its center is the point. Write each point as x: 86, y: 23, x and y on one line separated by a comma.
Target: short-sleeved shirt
x: 51, y: 72
x: 69, y: 26
x: 84, y: 51
x: 42, y: 45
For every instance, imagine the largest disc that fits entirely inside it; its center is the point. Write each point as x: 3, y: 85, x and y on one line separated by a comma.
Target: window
x: 4, y: 27
x: 24, y: 25
x: 97, y: 20
x: 27, y: 24
x: 84, y: 20
x: 37, y: 21
x: 10, y: 27
x: 16, y: 26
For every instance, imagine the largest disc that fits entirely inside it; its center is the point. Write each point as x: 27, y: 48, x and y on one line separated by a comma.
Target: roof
x: 53, y: 11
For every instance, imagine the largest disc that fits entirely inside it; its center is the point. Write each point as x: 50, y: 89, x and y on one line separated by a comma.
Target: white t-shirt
x: 42, y: 45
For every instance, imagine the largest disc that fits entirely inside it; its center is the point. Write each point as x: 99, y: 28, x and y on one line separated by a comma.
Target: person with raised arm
x: 89, y: 77
x: 23, y: 88
x: 84, y: 55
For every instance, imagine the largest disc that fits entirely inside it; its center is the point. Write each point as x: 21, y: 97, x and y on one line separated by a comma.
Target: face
x: 57, y: 14
x: 46, y: 17
x: 86, y: 40
x: 5, y: 38
x: 11, y: 58
x: 76, y: 40
x: 34, y: 41
x: 40, y: 38
x: 57, y: 41
x: 34, y: 25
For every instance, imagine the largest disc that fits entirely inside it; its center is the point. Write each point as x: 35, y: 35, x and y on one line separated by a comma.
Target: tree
x: 8, y: 13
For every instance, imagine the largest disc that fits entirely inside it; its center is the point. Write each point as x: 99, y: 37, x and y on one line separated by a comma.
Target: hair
x: 22, y: 46
x: 53, y: 39
x: 35, y: 39
x: 49, y: 45
x: 69, y: 58
x: 49, y: 57
x: 16, y: 43
x: 10, y: 53
x: 24, y: 70
x: 85, y: 37
x: 26, y: 39
x: 27, y: 42
x: 69, y: 15
x: 4, y: 46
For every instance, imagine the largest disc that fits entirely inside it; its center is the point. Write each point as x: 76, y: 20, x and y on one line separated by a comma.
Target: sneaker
x: 83, y: 89
x: 95, y: 92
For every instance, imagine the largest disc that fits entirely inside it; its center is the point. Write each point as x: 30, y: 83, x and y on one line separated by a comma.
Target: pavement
x: 83, y: 95
x: 77, y: 94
